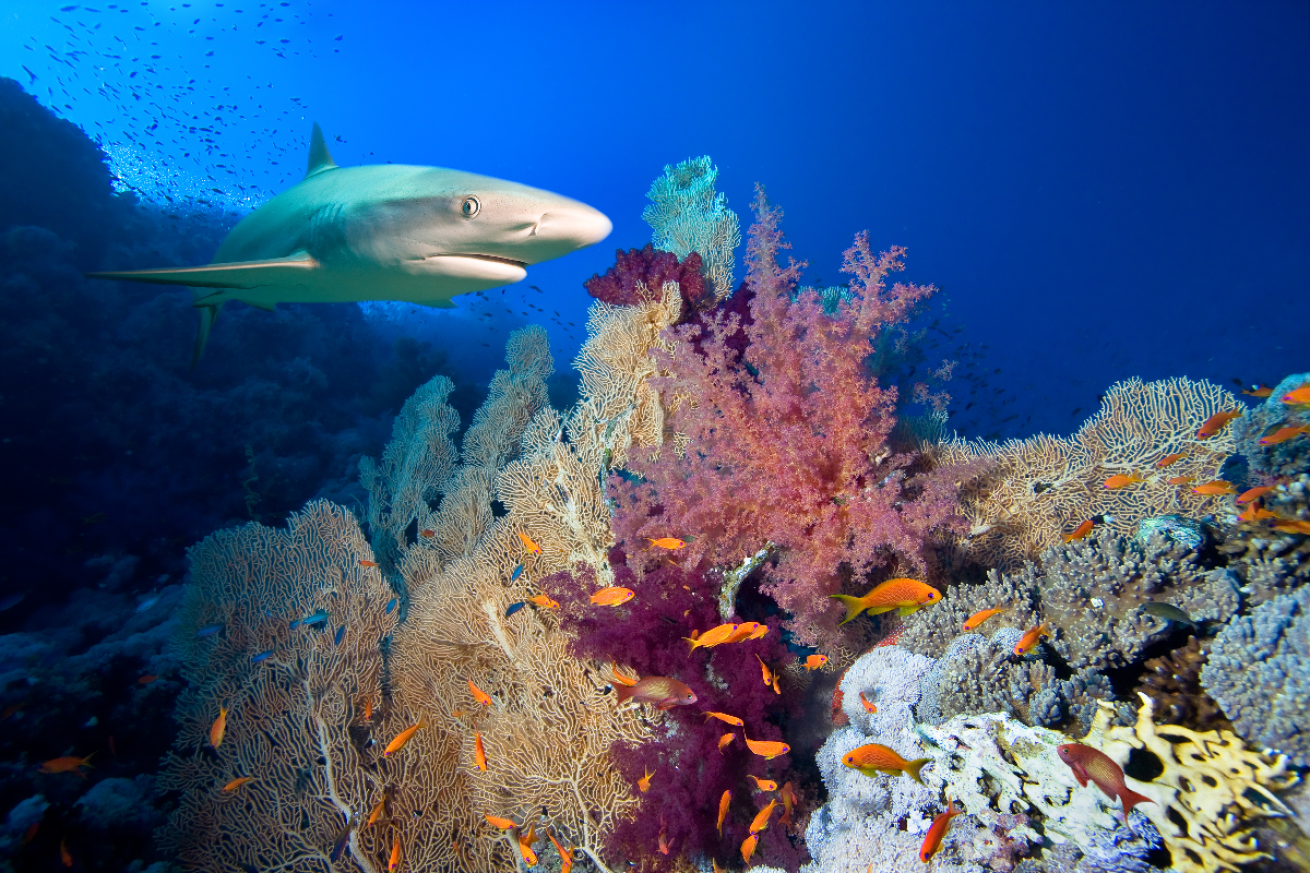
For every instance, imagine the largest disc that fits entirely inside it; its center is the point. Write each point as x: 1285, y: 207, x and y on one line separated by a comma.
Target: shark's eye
x: 471, y: 207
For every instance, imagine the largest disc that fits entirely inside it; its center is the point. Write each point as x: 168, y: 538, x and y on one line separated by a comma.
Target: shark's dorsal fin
x: 319, y: 157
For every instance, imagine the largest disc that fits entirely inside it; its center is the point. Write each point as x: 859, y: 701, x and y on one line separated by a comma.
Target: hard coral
x: 639, y: 273
x: 1286, y: 458
x: 1173, y: 682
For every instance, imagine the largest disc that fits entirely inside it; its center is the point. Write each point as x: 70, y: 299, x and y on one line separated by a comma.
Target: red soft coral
x: 788, y: 440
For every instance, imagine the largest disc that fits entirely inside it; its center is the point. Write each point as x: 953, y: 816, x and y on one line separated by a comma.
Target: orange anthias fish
x: 620, y: 677
x: 368, y: 708
x: 932, y: 842
x: 761, y: 820
x: 525, y: 846
x: 497, y: 822
x: 218, y: 727
x: 1121, y: 480
x: 1080, y: 531
x: 873, y: 759
x: 237, y: 783
x: 1216, y: 423
x: 64, y: 857
x: 671, y: 543
x: 662, y: 841
x: 1179, y: 480
x: 1291, y: 525
x: 1215, y: 488
x: 1254, y: 513
x: 975, y: 620
x: 748, y: 848
x: 479, y: 695
x: 869, y: 706
x: 763, y: 784
x: 67, y: 765
x: 368, y: 563
x: 1088, y: 763
x: 643, y: 784
x: 533, y: 548
x: 766, y: 748
x: 724, y: 717
x: 907, y: 595
x: 663, y: 692
x: 814, y: 662
x: 1283, y: 434
x: 1260, y: 391
x: 723, y: 809
x: 1030, y: 638
x: 748, y: 630
x: 378, y: 809
x: 146, y: 680
x: 394, y: 861
x: 565, y: 855
x: 612, y: 596
x: 545, y: 602
x: 403, y: 737
x: 711, y: 637
x: 427, y: 533
x: 1254, y: 493
x: 479, y: 753
x: 1169, y: 459
x: 1298, y: 396
x: 768, y: 677
x: 788, y: 801
x: 724, y: 740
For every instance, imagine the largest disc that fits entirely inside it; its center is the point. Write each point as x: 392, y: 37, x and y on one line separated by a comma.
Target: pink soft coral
x: 787, y: 439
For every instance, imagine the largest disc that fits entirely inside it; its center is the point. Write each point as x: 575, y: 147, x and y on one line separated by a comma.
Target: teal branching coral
x: 688, y: 215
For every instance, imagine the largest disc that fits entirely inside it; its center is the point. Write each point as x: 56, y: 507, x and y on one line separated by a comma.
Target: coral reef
x: 1173, y: 682
x: 688, y: 216
x: 1259, y: 672
x: 639, y: 273
x: 1271, y: 561
x: 1039, y: 489
x: 760, y: 456
x: 1288, y: 458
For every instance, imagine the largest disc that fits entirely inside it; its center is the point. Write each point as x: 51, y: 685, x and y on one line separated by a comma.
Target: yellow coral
x: 1043, y: 487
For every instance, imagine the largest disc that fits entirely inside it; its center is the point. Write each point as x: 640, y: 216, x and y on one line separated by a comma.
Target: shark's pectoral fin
x: 238, y: 274
x: 208, y: 315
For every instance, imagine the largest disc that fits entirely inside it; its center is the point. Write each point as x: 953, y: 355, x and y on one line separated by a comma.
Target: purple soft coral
x: 651, y: 268
x: 690, y: 771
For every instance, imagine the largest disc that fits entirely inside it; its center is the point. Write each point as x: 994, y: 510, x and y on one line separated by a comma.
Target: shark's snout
x: 575, y: 228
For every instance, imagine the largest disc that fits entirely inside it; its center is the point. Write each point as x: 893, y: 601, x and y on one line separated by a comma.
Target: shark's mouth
x: 522, y: 265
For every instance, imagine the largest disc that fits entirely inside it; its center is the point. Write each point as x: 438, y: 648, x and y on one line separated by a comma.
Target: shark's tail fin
x: 208, y: 315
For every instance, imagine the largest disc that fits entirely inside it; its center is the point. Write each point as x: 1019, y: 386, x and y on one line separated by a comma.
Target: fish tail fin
x: 912, y: 768
x: 854, y: 605
x: 86, y: 762
x: 1130, y: 799
x: 694, y: 645
x: 208, y: 315
x: 623, y: 692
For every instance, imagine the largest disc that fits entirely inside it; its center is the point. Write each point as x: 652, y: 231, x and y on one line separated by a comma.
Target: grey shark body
x: 382, y: 232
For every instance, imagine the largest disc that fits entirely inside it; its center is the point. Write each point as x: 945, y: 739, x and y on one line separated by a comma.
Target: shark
x: 415, y: 234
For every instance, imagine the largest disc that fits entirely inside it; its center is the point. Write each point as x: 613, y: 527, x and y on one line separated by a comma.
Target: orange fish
x: 1254, y: 513
x: 368, y: 708
x: 394, y: 862
x: 64, y: 857
x: 1114, y: 483
x: 1282, y: 435
x: 1030, y: 638
x: 1216, y: 423
x: 218, y: 727
x: 978, y: 618
x: 479, y: 695
x: 766, y: 748
x: 723, y: 716
x: 663, y: 692
x: 761, y: 820
x: 1298, y: 395
x: 907, y: 595
x: 724, y: 740
x: 1217, y: 487
x: 932, y: 842
x: 237, y: 783
x: 146, y: 680
x: 12, y: 710
x: 403, y: 737
x: 1292, y: 525
x: 427, y: 533
x: 479, y: 753
x: 497, y: 822
x: 873, y: 759
x: 748, y: 848
x: 788, y: 801
x: 612, y: 596
x: 1261, y: 391
x: 377, y: 810
x: 723, y: 809
x: 814, y: 662
x: 30, y: 833
x: 1256, y: 493
x: 869, y: 706
x: 1088, y: 763
x: 748, y: 630
x: 525, y: 846
x: 620, y: 677
x: 1179, y: 480
x: 671, y: 543
x: 565, y: 855
x: 775, y: 684
x: 67, y: 765
x: 643, y: 784
x: 662, y: 841
x: 544, y: 602
x: 711, y: 637
x: 533, y: 548
x: 765, y: 668
x: 368, y: 563
x: 1169, y: 459
x: 1080, y: 531
x: 763, y: 784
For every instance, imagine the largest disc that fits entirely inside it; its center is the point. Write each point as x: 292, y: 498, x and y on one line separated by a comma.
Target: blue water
x: 1100, y: 191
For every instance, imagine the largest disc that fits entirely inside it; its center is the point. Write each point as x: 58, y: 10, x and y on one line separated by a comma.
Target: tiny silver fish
x: 147, y: 603
x: 1169, y: 612
x: 209, y: 630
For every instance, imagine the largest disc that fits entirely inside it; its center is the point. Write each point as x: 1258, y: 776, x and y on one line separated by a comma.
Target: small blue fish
x: 518, y: 571
x: 209, y: 630
x: 261, y: 657
x: 514, y: 607
x: 147, y: 603
x: 318, y: 617
x: 391, y: 604
x: 341, y: 635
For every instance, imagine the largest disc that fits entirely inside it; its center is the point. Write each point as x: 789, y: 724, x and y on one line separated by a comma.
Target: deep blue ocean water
x: 1100, y: 191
